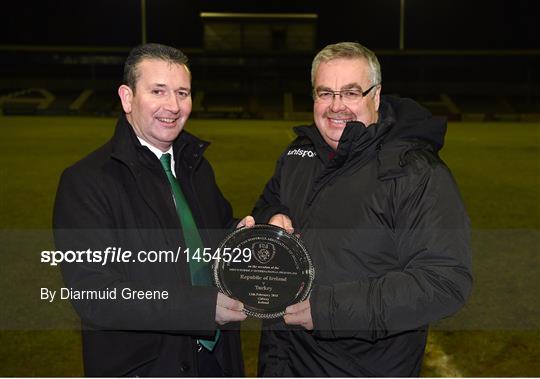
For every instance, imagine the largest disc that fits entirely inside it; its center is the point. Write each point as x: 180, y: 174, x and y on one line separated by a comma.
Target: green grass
x: 497, y: 166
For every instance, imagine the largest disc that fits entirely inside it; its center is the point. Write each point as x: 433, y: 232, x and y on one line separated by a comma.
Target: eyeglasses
x: 348, y: 96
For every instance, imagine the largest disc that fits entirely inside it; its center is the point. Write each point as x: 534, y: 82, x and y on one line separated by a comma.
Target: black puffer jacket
x: 389, y: 237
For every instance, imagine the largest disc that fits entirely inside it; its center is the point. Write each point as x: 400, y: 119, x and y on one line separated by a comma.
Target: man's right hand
x: 228, y: 310
x: 283, y: 221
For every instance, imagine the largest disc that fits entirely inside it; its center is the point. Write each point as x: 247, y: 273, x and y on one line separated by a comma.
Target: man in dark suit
x: 149, y: 189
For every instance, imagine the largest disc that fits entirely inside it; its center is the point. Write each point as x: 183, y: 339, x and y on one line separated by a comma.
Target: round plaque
x: 265, y: 268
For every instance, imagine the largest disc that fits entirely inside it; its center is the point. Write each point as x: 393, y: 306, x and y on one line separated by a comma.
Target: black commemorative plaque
x: 267, y: 270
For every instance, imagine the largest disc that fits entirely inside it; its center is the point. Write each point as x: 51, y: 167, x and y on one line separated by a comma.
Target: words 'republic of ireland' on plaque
x: 279, y: 272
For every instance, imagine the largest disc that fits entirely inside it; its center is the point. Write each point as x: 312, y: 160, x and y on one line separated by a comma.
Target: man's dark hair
x: 151, y: 51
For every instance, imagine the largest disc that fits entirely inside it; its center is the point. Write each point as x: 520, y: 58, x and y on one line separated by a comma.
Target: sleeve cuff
x: 264, y: 215
x: 321, y: 305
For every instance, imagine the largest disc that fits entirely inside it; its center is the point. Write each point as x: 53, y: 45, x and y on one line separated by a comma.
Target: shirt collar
x: 158, y: 153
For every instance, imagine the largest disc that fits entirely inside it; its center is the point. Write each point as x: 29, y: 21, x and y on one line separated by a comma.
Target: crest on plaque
x: 263, y: 252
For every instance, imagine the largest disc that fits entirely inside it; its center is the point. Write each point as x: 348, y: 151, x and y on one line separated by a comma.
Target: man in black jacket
x: 383, y: 220
x: 142, y: 317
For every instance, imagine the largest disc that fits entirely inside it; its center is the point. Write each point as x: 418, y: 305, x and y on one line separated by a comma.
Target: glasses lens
x: 351, y: 96
x: 325, y: 95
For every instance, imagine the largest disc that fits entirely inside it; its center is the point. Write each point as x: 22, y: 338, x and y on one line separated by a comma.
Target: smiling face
x: 332, y: 116
x: 160, y: 105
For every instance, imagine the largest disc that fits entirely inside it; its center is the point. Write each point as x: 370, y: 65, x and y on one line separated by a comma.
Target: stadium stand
x: 486, y: 85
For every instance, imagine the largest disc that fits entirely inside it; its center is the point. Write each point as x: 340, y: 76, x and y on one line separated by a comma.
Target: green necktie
x: 199, y: 270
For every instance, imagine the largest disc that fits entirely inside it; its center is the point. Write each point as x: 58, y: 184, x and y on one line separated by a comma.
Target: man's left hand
x: 247, y: 222
x: 299, y: 314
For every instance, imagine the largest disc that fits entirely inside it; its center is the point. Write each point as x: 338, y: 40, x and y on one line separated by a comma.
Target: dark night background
x: 440, y: 24
x: 479, y: 57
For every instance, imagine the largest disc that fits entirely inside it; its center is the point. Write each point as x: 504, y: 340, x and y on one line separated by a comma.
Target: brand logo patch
x: 302, y: 153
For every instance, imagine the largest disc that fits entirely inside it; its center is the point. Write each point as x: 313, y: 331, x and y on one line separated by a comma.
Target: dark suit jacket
x: 119, y: 197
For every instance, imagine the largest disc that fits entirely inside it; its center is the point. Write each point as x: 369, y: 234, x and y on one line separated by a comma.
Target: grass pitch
x: 497, y: 166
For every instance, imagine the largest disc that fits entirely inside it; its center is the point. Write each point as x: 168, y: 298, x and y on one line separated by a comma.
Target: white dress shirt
x: 159, y: 153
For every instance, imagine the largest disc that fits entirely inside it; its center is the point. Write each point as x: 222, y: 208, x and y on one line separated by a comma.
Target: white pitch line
x: 81, y: 99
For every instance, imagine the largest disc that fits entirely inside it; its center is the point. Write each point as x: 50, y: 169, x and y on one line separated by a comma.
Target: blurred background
x: 250, y: 59
x: 475, y: 62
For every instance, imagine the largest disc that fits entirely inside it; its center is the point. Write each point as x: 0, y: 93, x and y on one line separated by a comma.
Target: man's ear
x: 126, y: 97
x: 377, y: 96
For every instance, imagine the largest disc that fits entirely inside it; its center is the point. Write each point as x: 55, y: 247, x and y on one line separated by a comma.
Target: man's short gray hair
x: 347, y: 50
x: 151, y: 51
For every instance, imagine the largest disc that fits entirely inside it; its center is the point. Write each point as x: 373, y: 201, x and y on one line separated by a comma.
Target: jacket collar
x: 403, y: 126
x: 356, y: 140
x: 127, y: 148
x: 415, y: 129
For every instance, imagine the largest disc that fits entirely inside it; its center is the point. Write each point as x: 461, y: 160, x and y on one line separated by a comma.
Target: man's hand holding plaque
x: 299, y: 314
x: 268, y: 269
